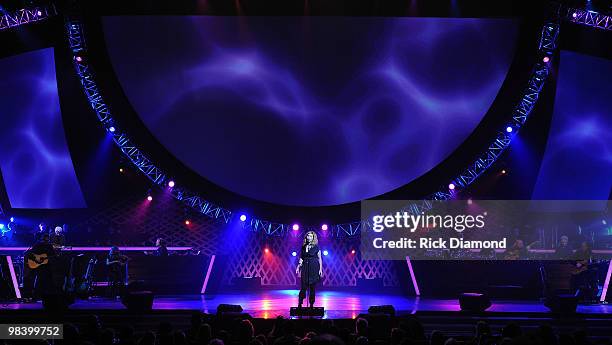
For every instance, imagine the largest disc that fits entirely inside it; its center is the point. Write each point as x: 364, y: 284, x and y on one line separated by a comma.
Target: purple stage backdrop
x: 34, y: 157
x: 578, y: 159
x: 310, y: 111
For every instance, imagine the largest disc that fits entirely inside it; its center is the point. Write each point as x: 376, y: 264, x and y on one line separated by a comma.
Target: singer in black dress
x: 310, y: 268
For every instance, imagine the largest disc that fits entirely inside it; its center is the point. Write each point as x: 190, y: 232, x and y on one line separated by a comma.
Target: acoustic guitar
x: 37, y: 260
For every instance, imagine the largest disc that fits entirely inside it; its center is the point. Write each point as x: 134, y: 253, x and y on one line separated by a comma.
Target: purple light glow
x: 171, y: 184
x: 296, y: 227
x: 604, y: 291
x: 324, y: 227
x: 451, y: 186
x: 9, y: 261
x: 243, y: 218
x: 546, y: 59
x: 413, y: 277
x: 210, y: 266
x: 79, y: 59
x: 150, y: 198
x: 39, y: 13
x: 99, y: 249
x: 574, y: 15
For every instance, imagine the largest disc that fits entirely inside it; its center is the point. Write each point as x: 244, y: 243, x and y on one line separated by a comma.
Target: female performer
x: 310, y: 267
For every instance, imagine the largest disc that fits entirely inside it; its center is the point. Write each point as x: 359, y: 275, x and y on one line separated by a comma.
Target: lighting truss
x: 26, y: 16
x: 76, y: 40
x: 588, y: 18
x: 520, y: 113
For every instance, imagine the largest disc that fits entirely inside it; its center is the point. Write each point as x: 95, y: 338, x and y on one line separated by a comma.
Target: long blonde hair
x: 315, y: 240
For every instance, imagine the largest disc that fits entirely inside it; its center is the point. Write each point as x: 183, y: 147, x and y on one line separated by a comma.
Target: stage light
x: 353, y: 251
x: 187, y: 222
x: 603, y: 221
x: 266, y: 250
x: 504, y: 172
x: 120, y: 170
x: 296, y: 227
x: 243, y: 217
x: 574, y: 15
x: 546, y: 59
x: 39, y: 13
x: 451, y: 186
x: 509, y: 129
x: 324, y: 227
x: 469, y: 201
x: 171, y: 184
x: 13, y: 219
x: 111, y: 129
x: 79, y: 59
x: 325, y: 252
x: 150, y: 198
x: 293, y: 254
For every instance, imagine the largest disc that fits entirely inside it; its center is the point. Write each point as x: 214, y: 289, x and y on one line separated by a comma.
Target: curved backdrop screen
x: 578, y: 160
x: 315, y: 110
x: 36, y: 165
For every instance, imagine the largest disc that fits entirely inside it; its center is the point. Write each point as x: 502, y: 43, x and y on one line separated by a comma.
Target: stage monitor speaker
x: 315, y: 311
x: 229, y: 308
x: 382, y: 309
x: 57, y: 302
x: 562, y: 303
x: 474, y: 302
x: 138, y: 300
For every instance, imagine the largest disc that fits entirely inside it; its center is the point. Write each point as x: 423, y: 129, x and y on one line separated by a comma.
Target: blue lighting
x: 242, y: 218
x: 111, y: 129
x: 12, y: 219
x: 1, y: 226
x: 325, y: 252
x: 294, y: 254
x: 509, y: 129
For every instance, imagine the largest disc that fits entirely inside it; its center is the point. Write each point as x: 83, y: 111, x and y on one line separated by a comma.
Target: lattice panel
x: 138, y: 221
x: 341, y: 268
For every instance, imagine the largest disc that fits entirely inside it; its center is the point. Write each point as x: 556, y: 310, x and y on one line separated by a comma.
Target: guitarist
x: 116, y: 262
x: 43, y: 274
x: 582, y: 277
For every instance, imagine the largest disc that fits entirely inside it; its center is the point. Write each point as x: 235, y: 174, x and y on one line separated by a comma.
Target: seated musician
x: 42, y: 230
x: 162, y: 250
x: 39, y: 260
x: 58, y: 239
x: 563, y: 251
x: 582, y: 280
x: 115, y: 262
x: 518, y: 251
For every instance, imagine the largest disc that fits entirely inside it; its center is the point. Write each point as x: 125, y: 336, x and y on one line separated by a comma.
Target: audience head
x: 512, y: 330
x: 361, y: 326
x: 245, y: 331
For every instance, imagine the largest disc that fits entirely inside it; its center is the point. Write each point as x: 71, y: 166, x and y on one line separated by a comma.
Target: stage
x: 338, y: 305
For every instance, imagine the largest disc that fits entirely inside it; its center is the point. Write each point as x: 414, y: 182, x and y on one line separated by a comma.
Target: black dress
x: 310, y: 265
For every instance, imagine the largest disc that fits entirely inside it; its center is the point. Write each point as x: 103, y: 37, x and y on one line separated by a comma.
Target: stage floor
x: 269, y: 304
